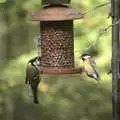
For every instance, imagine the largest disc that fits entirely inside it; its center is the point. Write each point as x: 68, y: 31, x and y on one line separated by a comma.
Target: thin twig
x: 96, y: 7
x: 100, y: 33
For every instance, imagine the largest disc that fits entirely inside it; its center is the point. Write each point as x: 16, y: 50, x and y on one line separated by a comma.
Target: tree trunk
x: 115, y: 60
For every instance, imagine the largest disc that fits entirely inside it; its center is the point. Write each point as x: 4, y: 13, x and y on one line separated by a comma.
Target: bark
x: 115, y: 60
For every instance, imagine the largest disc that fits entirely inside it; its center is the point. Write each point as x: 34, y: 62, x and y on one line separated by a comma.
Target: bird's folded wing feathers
x: 92, y: 62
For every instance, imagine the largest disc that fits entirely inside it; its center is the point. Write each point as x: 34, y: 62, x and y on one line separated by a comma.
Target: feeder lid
x: 44, y: 2
x: 57, y: 13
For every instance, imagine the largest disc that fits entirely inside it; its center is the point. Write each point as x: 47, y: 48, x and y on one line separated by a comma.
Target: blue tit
x: 33, y: 76
x: 90, y: 66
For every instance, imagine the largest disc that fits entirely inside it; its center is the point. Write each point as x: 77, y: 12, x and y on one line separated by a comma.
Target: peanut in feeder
x: 57, y: 41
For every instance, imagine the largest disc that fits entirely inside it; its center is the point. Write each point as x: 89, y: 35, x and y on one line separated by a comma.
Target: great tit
x: 90, y: 66
x: 33, y: 76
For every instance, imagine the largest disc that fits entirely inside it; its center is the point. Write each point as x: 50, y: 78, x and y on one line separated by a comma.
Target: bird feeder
x: 57, y: 39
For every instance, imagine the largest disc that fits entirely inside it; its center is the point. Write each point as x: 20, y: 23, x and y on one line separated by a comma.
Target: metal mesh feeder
x: 57, y: 41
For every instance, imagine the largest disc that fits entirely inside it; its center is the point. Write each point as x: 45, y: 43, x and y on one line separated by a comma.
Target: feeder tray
x: 44, y: 2
x: 60, y: 70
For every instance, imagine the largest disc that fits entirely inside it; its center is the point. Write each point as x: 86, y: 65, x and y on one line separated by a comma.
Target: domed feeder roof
x: 57, y: 13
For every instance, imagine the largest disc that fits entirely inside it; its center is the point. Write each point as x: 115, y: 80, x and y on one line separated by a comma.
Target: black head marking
x: 85, y: 56
x: 35, y: 59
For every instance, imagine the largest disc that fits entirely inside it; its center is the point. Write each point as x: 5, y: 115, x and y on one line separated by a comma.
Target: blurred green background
x: 70, y: 97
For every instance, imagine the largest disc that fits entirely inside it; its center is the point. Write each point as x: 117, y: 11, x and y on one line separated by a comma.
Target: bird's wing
x: 92, y: 62
x: 31, y: 73
x: 27, y: 73
x: 97, y: 72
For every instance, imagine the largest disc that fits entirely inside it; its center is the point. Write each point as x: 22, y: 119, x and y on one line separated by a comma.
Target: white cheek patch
x: 87, y: 57
x: 38, y: 62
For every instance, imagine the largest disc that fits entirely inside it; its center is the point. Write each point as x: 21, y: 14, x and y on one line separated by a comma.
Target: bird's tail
x: 36, y: 100
x: 35, y: 97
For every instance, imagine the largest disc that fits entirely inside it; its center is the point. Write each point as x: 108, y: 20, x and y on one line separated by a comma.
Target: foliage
x: 61, y: 97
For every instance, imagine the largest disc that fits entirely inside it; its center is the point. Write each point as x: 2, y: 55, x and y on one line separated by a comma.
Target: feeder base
x: 60, y: 70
